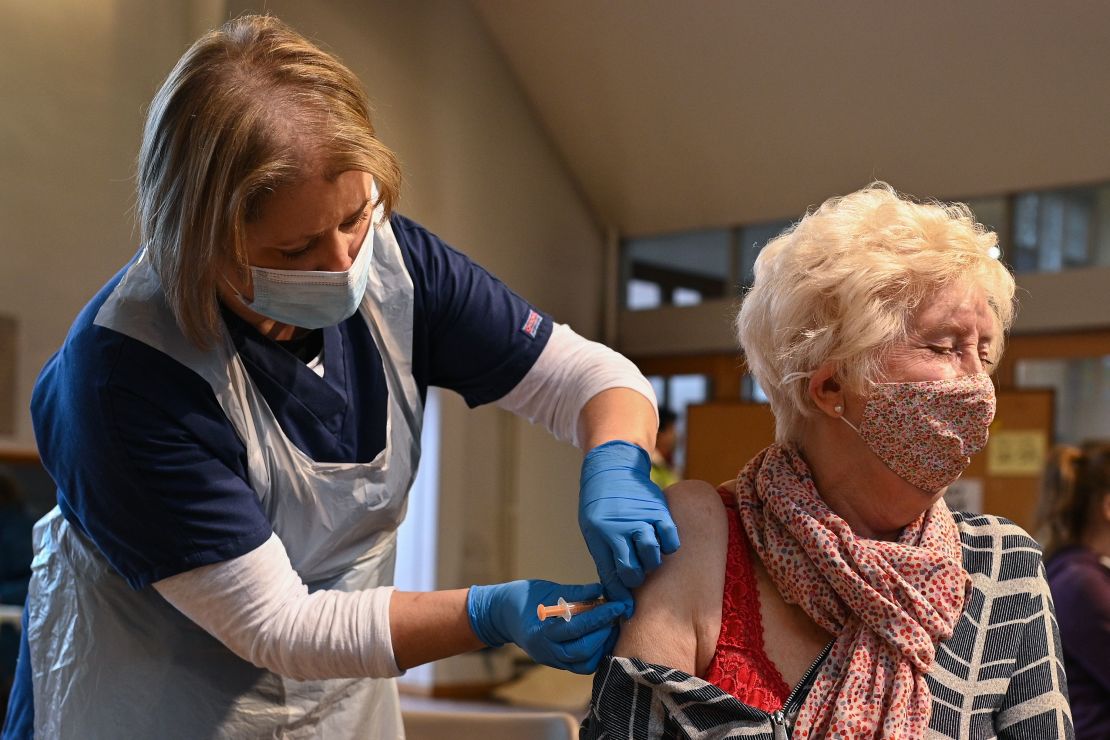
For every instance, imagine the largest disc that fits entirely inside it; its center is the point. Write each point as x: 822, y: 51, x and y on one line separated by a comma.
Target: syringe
x: 567, y: 609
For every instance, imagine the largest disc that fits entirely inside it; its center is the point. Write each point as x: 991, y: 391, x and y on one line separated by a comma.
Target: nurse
x: 233, y: 425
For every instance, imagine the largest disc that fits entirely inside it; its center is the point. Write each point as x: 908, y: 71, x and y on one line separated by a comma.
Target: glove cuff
x: 479, y: 612
x: 615, y: 454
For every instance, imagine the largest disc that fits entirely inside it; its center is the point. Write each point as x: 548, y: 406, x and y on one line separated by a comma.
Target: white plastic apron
x: 110, y: 662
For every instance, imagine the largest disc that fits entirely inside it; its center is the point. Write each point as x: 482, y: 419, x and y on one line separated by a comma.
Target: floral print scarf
x: 889, y: 603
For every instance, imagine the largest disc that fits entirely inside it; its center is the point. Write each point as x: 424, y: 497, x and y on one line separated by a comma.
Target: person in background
x: 828, y: 591
x: 15, y: 572
x: 663, y: 473
x: 1075, y: 532
x: 233, y: 424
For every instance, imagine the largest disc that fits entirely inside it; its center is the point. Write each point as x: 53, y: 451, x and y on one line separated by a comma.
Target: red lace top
x: 740, y: 664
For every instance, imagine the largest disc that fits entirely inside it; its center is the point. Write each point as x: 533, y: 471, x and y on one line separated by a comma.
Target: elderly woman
x: 1075, y: 519
x: 828, y: 592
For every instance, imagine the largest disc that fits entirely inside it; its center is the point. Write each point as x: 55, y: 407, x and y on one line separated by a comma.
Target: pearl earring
x: 838, y: 409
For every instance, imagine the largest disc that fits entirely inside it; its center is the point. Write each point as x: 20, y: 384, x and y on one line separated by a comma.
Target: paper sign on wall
x: 1016, y: 452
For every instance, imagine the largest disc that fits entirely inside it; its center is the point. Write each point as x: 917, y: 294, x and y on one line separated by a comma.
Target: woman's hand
x: 506, y: 612
x: 624, y: 518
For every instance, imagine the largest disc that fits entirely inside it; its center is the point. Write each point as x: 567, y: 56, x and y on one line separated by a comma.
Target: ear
x: 1106, y: 507
x: 825, y: 391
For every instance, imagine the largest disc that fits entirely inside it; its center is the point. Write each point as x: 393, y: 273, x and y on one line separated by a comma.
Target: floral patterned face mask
x: 927, y: 431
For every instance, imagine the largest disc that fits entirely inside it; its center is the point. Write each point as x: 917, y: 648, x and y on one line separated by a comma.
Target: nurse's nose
x: 338, y: 252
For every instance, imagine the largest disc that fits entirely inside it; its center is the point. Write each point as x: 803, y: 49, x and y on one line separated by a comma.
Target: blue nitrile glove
x: 506, y: 612
x: 624, y: 518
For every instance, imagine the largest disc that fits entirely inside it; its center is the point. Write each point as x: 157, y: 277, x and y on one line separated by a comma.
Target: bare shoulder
x: 696, y: 505
x: 678, y: 608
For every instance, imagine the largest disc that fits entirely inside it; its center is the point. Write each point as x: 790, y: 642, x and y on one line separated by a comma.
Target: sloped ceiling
x: 673, y: 115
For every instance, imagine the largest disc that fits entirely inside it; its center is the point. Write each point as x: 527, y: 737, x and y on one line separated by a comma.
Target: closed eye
x: 296, y: 253
x: 351, y: 224
x: 958, y: 352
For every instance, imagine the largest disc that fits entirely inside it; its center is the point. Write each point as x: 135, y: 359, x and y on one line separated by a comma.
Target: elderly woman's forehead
x: 962, y: 307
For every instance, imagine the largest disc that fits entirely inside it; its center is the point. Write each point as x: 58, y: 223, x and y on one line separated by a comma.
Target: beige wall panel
x: 547, y: 542
x: 76, y: 78
x: 1072, y: 300
x: 676, y: 118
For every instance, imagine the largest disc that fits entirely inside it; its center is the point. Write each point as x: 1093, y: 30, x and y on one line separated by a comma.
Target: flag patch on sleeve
x: 532, y: 324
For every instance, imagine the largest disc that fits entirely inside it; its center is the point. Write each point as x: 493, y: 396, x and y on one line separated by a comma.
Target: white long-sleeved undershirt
x: 257, y: 605
x: 567, y: 374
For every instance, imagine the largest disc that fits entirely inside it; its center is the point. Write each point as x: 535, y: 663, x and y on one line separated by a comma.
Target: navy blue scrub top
x: 151, y: 470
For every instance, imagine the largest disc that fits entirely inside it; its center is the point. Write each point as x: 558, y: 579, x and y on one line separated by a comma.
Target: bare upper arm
x: 678, y: 608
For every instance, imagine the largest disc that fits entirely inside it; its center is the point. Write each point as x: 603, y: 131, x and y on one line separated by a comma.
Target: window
x: 1038, y: 231
x: 1082, y: 388
x: 994, y: 214
x: 1057, y: 230
x: 685, y: 297
x: 752, y: 239
x: 676, y: 392
x: 751, y: 391
x: 642, y: 294
x: 687, y: 268
x: 680, y: 269
x: 418, y: 534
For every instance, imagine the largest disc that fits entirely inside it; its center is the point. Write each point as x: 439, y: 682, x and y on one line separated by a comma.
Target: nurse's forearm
x: 257, y: 606
x: 618, y: 413
x: 430, y: 626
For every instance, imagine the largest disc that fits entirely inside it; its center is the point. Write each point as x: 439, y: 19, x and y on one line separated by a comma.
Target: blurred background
x: 620, y: 164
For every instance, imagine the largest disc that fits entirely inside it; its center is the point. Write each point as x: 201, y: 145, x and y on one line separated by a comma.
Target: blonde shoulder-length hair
x: 842, y: 284
x: 250, y: 107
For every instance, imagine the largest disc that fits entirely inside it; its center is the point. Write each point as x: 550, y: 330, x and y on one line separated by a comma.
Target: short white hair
x: 841, y: 286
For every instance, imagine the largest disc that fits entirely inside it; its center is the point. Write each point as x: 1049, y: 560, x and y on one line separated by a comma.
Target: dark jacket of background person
x: 1076, y: 535
x: 15, y: 572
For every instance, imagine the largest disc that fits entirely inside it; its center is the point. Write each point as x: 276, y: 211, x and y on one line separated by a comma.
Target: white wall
x: 681, y: 116
x: 74, y: 77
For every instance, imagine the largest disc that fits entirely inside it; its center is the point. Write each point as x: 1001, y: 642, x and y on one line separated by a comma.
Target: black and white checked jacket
x: 1001, y: 674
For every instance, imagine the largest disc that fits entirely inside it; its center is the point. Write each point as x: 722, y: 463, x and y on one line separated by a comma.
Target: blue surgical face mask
x: 312, y: 299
